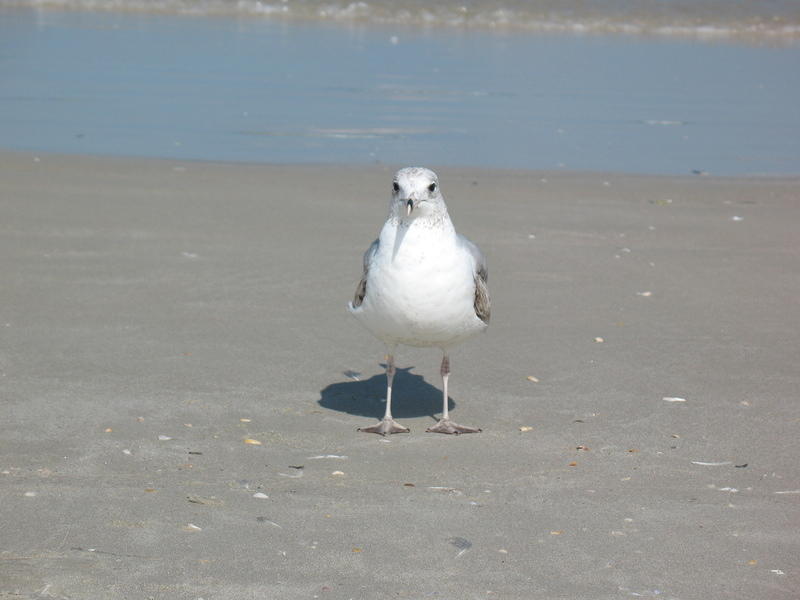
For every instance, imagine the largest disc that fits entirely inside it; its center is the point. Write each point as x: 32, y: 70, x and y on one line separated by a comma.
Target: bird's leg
x: 445, y: 425
x: 444, y: 371
x: 387, y: 424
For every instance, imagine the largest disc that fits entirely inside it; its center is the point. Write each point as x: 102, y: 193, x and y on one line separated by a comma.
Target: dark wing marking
x: 361, y: 289
x: 483, y: 304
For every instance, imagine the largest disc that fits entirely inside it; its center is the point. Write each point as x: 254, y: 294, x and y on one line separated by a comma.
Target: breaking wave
x: 765, y: 19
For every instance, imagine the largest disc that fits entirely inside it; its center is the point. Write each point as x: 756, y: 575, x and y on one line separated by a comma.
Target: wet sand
x: 158, y: 318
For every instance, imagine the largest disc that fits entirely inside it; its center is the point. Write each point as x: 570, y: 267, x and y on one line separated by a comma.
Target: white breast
x: 420, y: 288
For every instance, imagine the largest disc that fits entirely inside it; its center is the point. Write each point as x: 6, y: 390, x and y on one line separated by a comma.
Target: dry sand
x: 156, y: 315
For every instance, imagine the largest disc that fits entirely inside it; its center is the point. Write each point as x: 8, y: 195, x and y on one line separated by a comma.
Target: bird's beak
x: 409, y: 206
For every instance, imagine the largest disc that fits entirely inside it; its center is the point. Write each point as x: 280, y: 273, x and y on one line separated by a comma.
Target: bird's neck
x: 438, y: 218
x: 418, y: 236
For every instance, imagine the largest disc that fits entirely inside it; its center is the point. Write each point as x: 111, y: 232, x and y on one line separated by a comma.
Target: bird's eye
x: 396, y: 186
x: 432, y: 187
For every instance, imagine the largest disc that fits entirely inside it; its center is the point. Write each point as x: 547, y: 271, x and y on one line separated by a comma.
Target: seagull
x: 423, y: 285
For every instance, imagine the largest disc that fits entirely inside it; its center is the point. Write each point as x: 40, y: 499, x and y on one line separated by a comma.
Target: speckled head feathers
x: 415, y: 192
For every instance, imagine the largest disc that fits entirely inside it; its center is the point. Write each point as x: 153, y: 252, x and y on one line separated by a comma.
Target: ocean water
x: 408, y: 82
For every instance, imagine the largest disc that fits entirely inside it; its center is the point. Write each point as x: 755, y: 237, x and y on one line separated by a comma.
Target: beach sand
x: 160, y: 317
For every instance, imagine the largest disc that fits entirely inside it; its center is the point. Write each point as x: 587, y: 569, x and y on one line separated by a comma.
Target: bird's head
x: 416, y: 193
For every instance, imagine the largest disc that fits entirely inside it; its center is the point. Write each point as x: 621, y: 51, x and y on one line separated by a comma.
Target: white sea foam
x: 705, y: 19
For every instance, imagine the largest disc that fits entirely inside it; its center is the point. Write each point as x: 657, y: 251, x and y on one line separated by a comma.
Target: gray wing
x: 483, y: 304
x: 361, y: 289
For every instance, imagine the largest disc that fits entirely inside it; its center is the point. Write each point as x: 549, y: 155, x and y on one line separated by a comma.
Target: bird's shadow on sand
x: 412, y: 396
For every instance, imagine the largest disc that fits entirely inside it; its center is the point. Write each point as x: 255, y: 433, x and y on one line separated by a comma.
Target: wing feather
x: 483, y: 304
x: 361, y: 289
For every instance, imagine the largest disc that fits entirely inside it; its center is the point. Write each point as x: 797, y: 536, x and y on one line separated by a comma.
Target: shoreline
x: 38, y: 156
x: 182, y: 387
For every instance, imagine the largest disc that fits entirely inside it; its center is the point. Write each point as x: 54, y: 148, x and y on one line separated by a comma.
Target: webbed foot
x: 386, y: 426
x: 447, y: 426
